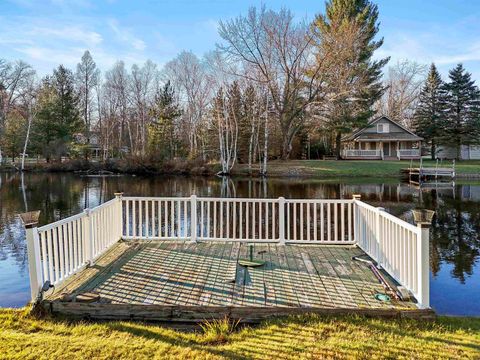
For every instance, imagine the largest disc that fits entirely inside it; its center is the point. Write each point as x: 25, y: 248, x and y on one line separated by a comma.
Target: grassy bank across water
x: 319, y: 169
x: 355, y: 168
x: 25, y: 337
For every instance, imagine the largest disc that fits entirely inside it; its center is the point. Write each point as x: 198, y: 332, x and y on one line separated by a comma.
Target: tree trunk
x: 338, y: 144
x: 265, y: 145
x: 433, y: 150
x: 27, y: 137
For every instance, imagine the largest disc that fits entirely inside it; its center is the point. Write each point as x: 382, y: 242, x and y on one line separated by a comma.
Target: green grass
x: 355, y: 168
x: 310, y: 337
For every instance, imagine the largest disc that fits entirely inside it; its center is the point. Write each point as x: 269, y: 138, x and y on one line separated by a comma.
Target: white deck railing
x: 397, y: 246
x: 62, y: 248
x: 67, y: 245
x: 235, y: 219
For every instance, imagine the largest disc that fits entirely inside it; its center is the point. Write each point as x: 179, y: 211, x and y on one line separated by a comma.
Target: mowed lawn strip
x: 308, y: 336
x: 355, y: 168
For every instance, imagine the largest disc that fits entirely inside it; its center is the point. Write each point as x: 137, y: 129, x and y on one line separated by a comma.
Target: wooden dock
x: 178, y: 260
x: 437, y: 174
x: 184, y: 281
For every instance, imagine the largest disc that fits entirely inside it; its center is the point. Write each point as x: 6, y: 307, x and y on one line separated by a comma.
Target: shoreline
x: 277, y: 169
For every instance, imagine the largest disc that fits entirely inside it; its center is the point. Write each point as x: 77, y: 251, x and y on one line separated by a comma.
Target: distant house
x: 467, y: 152
x: 382, y: 139
x: 93, y: 145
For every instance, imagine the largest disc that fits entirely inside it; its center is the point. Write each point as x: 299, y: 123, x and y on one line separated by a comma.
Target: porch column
x: 398, y: 150
x: 381, y: 149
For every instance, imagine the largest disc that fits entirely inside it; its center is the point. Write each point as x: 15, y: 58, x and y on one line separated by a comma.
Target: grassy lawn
x: 355, y: 168
x: 312, y: 337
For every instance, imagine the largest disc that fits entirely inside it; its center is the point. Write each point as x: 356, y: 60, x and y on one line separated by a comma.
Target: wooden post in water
x: 30, y: 222
x: 423, y: 219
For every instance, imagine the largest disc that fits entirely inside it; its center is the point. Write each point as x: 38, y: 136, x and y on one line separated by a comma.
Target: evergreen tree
x: 345, y: 46
x: 58, y: 118
x: 462, y: 110
x: 162, y: 138
x: 429, y: 114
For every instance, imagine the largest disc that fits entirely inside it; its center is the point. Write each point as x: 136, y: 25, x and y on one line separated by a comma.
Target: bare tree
x: 404, y: 83
x: 263, y: 168
x: 87, y: 78
x: 226, y: 121
x: 14, y: 79
x: 117, y: 90
x: 189, y: 78
x: 30, y: 109
x: 275, y: 51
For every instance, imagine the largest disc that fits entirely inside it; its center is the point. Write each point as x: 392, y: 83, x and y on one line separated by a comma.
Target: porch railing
x: 363, y: 153
x: 408, y: 152
x: 58, y: 250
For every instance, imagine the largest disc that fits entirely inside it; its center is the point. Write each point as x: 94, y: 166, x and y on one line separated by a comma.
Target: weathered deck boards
x: 168, y: 280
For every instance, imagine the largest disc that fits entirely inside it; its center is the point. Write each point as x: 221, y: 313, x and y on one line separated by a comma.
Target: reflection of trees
x: 455, y: 232
x: 456, y: 235
x: 57, y: 196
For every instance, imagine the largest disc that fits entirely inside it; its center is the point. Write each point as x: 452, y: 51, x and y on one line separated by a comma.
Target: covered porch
x: 382, y: 150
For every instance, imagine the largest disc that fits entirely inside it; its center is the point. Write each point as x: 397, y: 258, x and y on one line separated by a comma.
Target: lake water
x: 455, y: 234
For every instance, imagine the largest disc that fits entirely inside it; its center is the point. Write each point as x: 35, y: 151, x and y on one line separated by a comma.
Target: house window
x: 383, y: 128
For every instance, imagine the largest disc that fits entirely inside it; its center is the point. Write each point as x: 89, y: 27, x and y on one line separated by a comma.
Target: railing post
x: 30, y: 222
x: 281, y: 220
x: 193, y: 217
x: 356, y: 223
x: 88, y: 236
x: 119, y: 213
x: 424, y: 221
x: 378, y: 233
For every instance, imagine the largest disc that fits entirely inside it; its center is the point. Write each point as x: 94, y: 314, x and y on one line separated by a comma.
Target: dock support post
x: 119, y: 214
x: 30, y: 222
x: 281, y: 220
x: 193, y: 217
x: 423, y: 219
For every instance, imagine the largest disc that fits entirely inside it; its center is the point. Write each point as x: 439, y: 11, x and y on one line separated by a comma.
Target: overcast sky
x: 46, y: 33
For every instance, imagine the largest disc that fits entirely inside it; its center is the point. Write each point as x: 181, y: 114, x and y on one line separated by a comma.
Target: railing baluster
x: 215, y: 219
x: 322, y: 223
x: 329, y: 223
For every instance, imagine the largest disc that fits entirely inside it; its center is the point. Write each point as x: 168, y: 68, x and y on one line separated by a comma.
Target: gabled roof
x: 373, y: 136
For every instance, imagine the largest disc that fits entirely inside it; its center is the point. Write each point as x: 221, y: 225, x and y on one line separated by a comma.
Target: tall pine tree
x: 162, y: 139
x: 58, y: 118
x: 345, y: 42
x: 462, y: 110
x: 429, y: 114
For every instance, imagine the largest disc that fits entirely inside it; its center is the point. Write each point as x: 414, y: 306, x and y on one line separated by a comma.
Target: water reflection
x: 455, y: 234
